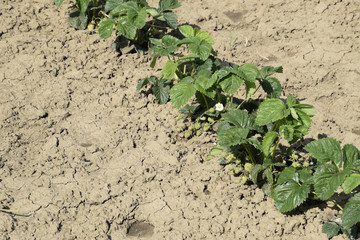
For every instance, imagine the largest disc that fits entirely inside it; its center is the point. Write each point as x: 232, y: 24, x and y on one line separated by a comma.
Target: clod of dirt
x: 141, y: 230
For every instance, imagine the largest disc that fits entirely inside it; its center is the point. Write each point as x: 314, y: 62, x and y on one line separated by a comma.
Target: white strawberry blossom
x: 219, y: 107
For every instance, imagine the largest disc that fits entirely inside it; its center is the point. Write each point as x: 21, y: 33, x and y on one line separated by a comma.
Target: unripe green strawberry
x: 231, y: 168
x: 211, y: 110
x: 248, y: 167
x: 206, y: 126
x: 244, y: 179
x: 188, y: 134
x: 192, y: 127
x: 237, y: 170
x: 90, y: 27
x: 231, y: 158
x: 306, y: 164
x: 296, y: 164
x: 211, y: 120
x: 197, y: 126
x: 198, y: 133
x: 179, y: 117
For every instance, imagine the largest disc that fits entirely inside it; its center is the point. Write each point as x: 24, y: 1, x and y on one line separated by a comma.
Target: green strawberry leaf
x: 204, y: 36
x: 351, y: 212
x: 111, y: 4
x: 137, y: 15
x: 250, y: 89
x: 168, y: 4
x: 126, y: 27
x: 187, y: 31
x: 271, y: 110
x: 350, y: 183
x: 161, y: 92
x: 350, y: 155
x: 181, y: 93
x: 77, y: 19
x: 326, y: 149
x: 204, y: 79
x: 287, y: 132
x: 232, y: 136
x: 143, y: 82
x: 268, y: 141
x: 169, y: 69
x: 327, y: 179
x: 106, y: 28
x: 82, y: 5
x: 231, y: 84
x: 331, y: 229
x: 272, y: 87
x: 291, y: 101
x: 288, y: 196
x: 170, y: 19
x: 58, y: 2
x: 200, y: 47
x: 254, y: 172
x: 238, y: 118
x: 306, y: 108
x: 289, y: 174
x: 267, y: 71
x: 250, y: 71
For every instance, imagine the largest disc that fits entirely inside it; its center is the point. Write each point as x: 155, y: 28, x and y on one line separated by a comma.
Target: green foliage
x: 351, y: 213
x: 291, y: 189
x: 127, y: 17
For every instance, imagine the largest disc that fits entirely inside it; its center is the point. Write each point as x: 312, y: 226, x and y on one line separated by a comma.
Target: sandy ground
x: 84, y: 156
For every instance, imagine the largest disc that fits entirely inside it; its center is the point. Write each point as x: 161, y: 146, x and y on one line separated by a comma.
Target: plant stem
x: 337, y: 205
x: 250, y: 154
x: 206, y: 103
x: 240, y: 105
x: 104, y: 14
x: 218, y: 95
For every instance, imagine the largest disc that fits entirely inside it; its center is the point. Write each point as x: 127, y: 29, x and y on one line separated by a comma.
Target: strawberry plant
x: 252, y: 136
x: 128, y: 17
x: 335, y: 168
x: 79, y: 17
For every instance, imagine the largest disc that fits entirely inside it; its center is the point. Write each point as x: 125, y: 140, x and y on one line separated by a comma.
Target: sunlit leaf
x: 350, y: 183
x: 168, y: 4
x: 232, y: 136
x: 268, y: 141
x: 181, y: 92
x: 106, y: 28
x: 169, y: 69
x: 237, y: 117
x: 231, y: 84
x: 126, y: 27
x: 331, y: 229
x: 289, y: 195
x: 170, y: 19
x: 327, y: 180
x: 351, y: 212
x: 250, y: 72
x: 270, y: 110
x: 326, y: 149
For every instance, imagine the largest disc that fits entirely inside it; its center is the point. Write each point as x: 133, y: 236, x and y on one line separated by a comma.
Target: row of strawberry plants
x: 260, y: 140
